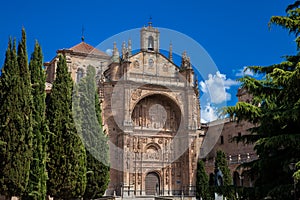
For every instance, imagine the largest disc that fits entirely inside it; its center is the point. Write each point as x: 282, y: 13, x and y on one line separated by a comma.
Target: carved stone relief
x: 156, y: 112
x: 136, y: 94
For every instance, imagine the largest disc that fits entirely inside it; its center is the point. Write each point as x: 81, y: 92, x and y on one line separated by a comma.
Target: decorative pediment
x: 151, y: 64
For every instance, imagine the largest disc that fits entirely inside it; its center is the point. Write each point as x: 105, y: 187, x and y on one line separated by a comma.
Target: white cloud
x: 209, y: 113
x: 109, y: 52
x: 244, y: 72
x: 216, y: 87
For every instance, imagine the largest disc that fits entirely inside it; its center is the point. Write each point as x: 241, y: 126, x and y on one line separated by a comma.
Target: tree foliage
x: 15, y: 120
x: 275, y: 109
x: 66, y: 165
x: 87, y: 113
x: 37, y: 180
x: 221, y: 163
x: 225, y: 187
x: 202, y: 186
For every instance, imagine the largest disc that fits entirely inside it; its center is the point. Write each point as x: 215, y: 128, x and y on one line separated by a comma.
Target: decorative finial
x: 184, y: 60
x: 124, y: 50
x: 184, y: 54
x: 150, y: 21
x: 115, y: 45
x: 189, y: 65
x: 171, y: 52
x: 129, y: 47
x: 101, y: 72
x: 82, y: 34
x: 116, y: 54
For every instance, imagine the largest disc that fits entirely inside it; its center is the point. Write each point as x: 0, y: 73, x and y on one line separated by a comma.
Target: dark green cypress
x: 221, y: 164
x: 36, y: 189
x: 89, y: 121
x: 202, y: 186
x: 16, y: 121
x: 66, y: 164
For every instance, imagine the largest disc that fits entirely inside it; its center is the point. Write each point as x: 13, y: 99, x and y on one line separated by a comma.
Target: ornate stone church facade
x: 151, y: 114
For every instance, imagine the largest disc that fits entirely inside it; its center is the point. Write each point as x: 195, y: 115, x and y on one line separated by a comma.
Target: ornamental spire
x: 115, y: 54
x: 129, y: 48
x: 171, y: 52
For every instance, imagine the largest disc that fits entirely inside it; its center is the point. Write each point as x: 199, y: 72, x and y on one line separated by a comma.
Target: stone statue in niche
x: 218, y: 177
x: 136, y: 64
x: 127, y: 164
x: 128, y: 142
x: 139, y: 178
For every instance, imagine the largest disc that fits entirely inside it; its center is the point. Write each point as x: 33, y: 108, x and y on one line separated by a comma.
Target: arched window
x: 150, y: 43
x: 79, y: 75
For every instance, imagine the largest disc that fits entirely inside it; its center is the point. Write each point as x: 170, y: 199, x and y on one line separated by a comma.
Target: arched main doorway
x: 152, y: 185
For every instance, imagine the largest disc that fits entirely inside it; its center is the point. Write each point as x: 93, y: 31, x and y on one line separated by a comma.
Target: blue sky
x: 234, y: 33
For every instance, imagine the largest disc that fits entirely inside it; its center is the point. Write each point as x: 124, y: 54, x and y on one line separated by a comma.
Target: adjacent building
x: 221, y: 133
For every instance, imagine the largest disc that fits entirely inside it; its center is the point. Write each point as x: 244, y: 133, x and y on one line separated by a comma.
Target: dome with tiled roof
x: 85, y: 48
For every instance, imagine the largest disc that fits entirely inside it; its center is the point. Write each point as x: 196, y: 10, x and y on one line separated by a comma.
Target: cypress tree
x: 67, y: 158
x: 221, y: 164
x: 202, y: 185
x: 88, y: 116
x: 37, y: 180
x: 16, y: 120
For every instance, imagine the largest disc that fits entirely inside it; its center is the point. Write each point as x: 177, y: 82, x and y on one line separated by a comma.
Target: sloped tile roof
x: 83, y: 47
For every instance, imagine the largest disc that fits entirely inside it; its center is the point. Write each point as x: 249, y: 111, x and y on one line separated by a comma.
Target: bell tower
x: 149, y: 38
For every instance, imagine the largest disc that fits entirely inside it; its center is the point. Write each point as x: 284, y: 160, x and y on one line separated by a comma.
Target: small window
x: 222, y: 139
x: 136, y: 64
x: 239, y: 134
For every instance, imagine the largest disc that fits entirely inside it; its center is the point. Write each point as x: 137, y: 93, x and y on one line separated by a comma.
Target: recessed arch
x: 157, y: 112
x: 153, y: 146
x: 150, y: 43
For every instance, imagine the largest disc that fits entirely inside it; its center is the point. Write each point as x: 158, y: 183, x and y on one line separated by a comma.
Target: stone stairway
x: 148, y: 198
x: 155, y: 198
x: 137, y: 198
